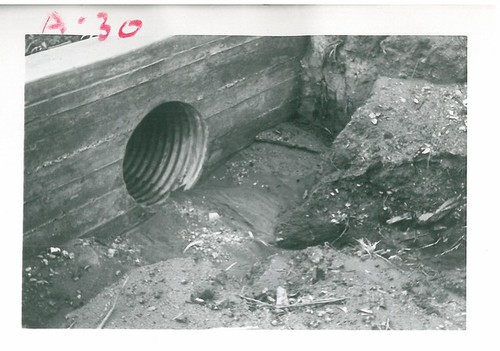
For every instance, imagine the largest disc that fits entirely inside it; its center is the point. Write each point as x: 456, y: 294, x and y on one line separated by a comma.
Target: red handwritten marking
x: 133, y: 23
x: 104, y: 26
x: 59, y: 25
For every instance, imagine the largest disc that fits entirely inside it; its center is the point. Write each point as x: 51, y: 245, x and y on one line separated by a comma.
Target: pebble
x: 111, y: 253
x: 213, y: 216
x: 54, y: 250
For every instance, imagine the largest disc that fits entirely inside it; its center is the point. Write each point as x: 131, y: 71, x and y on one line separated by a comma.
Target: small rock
x: 213, y: 216
x: 152, y: 308
x: 317, y: 255
x: 388, y: 135
x: 281, y: 297
x: 111, y: 253
x: 54, y: 250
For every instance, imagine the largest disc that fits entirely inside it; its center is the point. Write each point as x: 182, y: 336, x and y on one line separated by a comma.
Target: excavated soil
x: 298, y: 230
x: 207, y: 260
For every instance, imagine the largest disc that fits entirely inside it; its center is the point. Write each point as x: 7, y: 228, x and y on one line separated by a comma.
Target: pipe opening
x: 165, y: 152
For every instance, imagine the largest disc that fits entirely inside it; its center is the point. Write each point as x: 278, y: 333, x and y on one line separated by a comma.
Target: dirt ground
x: 208, y: 259
x: 298, y: 231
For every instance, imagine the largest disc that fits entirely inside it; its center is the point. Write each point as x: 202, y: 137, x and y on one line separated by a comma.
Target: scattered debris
x: 443, y: 210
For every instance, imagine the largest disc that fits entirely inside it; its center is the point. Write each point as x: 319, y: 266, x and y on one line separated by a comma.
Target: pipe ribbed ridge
x: 165, y: 152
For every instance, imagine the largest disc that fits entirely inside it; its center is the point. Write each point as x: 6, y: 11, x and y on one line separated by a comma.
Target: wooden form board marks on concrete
x: 79, y: 120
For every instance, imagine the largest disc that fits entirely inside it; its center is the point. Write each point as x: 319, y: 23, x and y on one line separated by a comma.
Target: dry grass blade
x: 199, y: 242
x: 367, y: 246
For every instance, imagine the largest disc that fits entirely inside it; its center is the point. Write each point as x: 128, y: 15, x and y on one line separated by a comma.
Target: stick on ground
x: 305, y: 304
x: 112, y: 307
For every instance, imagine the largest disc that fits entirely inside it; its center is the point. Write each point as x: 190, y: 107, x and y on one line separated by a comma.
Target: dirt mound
x: 402, y: 156
x: 317, y: 288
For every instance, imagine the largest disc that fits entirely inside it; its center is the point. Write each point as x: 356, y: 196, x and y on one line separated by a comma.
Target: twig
x: 176, y: 317
x: 314, y: 303
x: 429, y: 245
x: 256, y: 301
x: 387, y: 325
x: 305, y: 304
x: 71, y: 325
x: 455, y: 246
x: 112, y: 307
x: 230, y: 266
x: 388, y: 261
x: 343, y: 232
x: 414, y: 69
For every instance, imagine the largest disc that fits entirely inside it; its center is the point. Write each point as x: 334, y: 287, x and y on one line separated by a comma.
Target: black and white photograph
x: 244, y: 180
